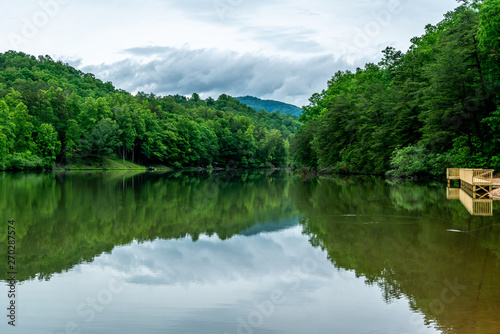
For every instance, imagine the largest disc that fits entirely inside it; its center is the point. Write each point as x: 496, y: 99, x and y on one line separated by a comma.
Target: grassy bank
x: 108, y: 164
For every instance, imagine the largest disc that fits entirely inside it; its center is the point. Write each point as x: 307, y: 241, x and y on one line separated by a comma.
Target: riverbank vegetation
x: 413, y: 113
x: 52, y: 114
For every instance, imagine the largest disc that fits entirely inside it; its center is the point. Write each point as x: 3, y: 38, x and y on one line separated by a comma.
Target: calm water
x: 120, y: 252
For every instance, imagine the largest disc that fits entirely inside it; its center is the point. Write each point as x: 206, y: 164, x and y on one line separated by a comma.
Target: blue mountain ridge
x: 270, y: 105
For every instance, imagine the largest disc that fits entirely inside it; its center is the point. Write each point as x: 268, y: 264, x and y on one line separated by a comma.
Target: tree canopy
x: 52, y: 113
x: 435, y: 106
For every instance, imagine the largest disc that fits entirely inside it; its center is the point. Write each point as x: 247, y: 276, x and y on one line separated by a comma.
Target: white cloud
x: 211, y: 72
x: 295, y: 40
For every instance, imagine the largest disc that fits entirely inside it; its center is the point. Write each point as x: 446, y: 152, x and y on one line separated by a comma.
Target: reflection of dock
x: 478, y: 182
x: 476, y: 207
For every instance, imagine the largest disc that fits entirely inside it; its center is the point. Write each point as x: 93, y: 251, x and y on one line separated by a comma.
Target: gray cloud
x: 283, y: 50
x: 211, y: 72
x: 171, y: 262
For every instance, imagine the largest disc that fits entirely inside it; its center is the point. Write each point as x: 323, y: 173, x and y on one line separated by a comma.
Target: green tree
x: 434, y: 107
x: 124, y: 117
x: 73, y: 138
x: 84, y: 112
x: 489, y: 39
x: 23, y: 130
x: 48, y: 144
x: 7, y: 131
x: 105, y: 137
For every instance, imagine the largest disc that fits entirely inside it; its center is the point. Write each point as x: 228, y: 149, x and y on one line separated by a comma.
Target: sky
x: 272, y: 49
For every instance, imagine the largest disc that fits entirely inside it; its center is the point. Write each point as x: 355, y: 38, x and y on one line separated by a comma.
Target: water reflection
x: 67, y: 218
x: 476, y: 206
x: 411, y: 249
x: 204, y: 252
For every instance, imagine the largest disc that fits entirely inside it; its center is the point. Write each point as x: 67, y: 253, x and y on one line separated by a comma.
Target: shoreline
x: 144, y: 169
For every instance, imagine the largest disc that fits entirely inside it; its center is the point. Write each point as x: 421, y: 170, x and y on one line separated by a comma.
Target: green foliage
x: 416, y: 160
x: 25, y: 160
x: 23, y: 129
x: 105, y: 137
x: 409, y: 160
x: 489, y: 35
x: 52, y: 112
x: 415, y: 113
x: 47, y: 144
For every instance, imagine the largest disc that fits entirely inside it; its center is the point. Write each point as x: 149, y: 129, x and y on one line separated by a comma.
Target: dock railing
x: 477, y: 177
x: 476, y: 207
x: 453, y: 173
x: 475, y: 185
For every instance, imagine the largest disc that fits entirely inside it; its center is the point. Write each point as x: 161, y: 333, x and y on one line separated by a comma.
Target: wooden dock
x: 479, y: 182
x: 475, y: 187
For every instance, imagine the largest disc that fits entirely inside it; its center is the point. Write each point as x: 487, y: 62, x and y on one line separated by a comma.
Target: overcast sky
x: 283, y: 50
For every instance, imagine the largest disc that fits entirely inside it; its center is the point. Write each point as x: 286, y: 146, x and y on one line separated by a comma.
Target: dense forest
x: 435, y: 106
x: 52, y: 114
x: 270, y: 105
x: 413, y: 113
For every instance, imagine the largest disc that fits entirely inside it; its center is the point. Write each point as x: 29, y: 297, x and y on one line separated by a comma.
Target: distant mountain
x: 273, y: 226
x: 51, y: 112
x: 270, y: 105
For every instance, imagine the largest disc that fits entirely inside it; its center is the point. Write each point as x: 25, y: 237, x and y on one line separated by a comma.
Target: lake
x: 247, y: 252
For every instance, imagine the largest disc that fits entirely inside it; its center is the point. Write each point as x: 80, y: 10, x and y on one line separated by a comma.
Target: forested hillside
x: 51, y: 113
x: 270, y: 105
x: 413, y: 113
x: 435, y: 106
